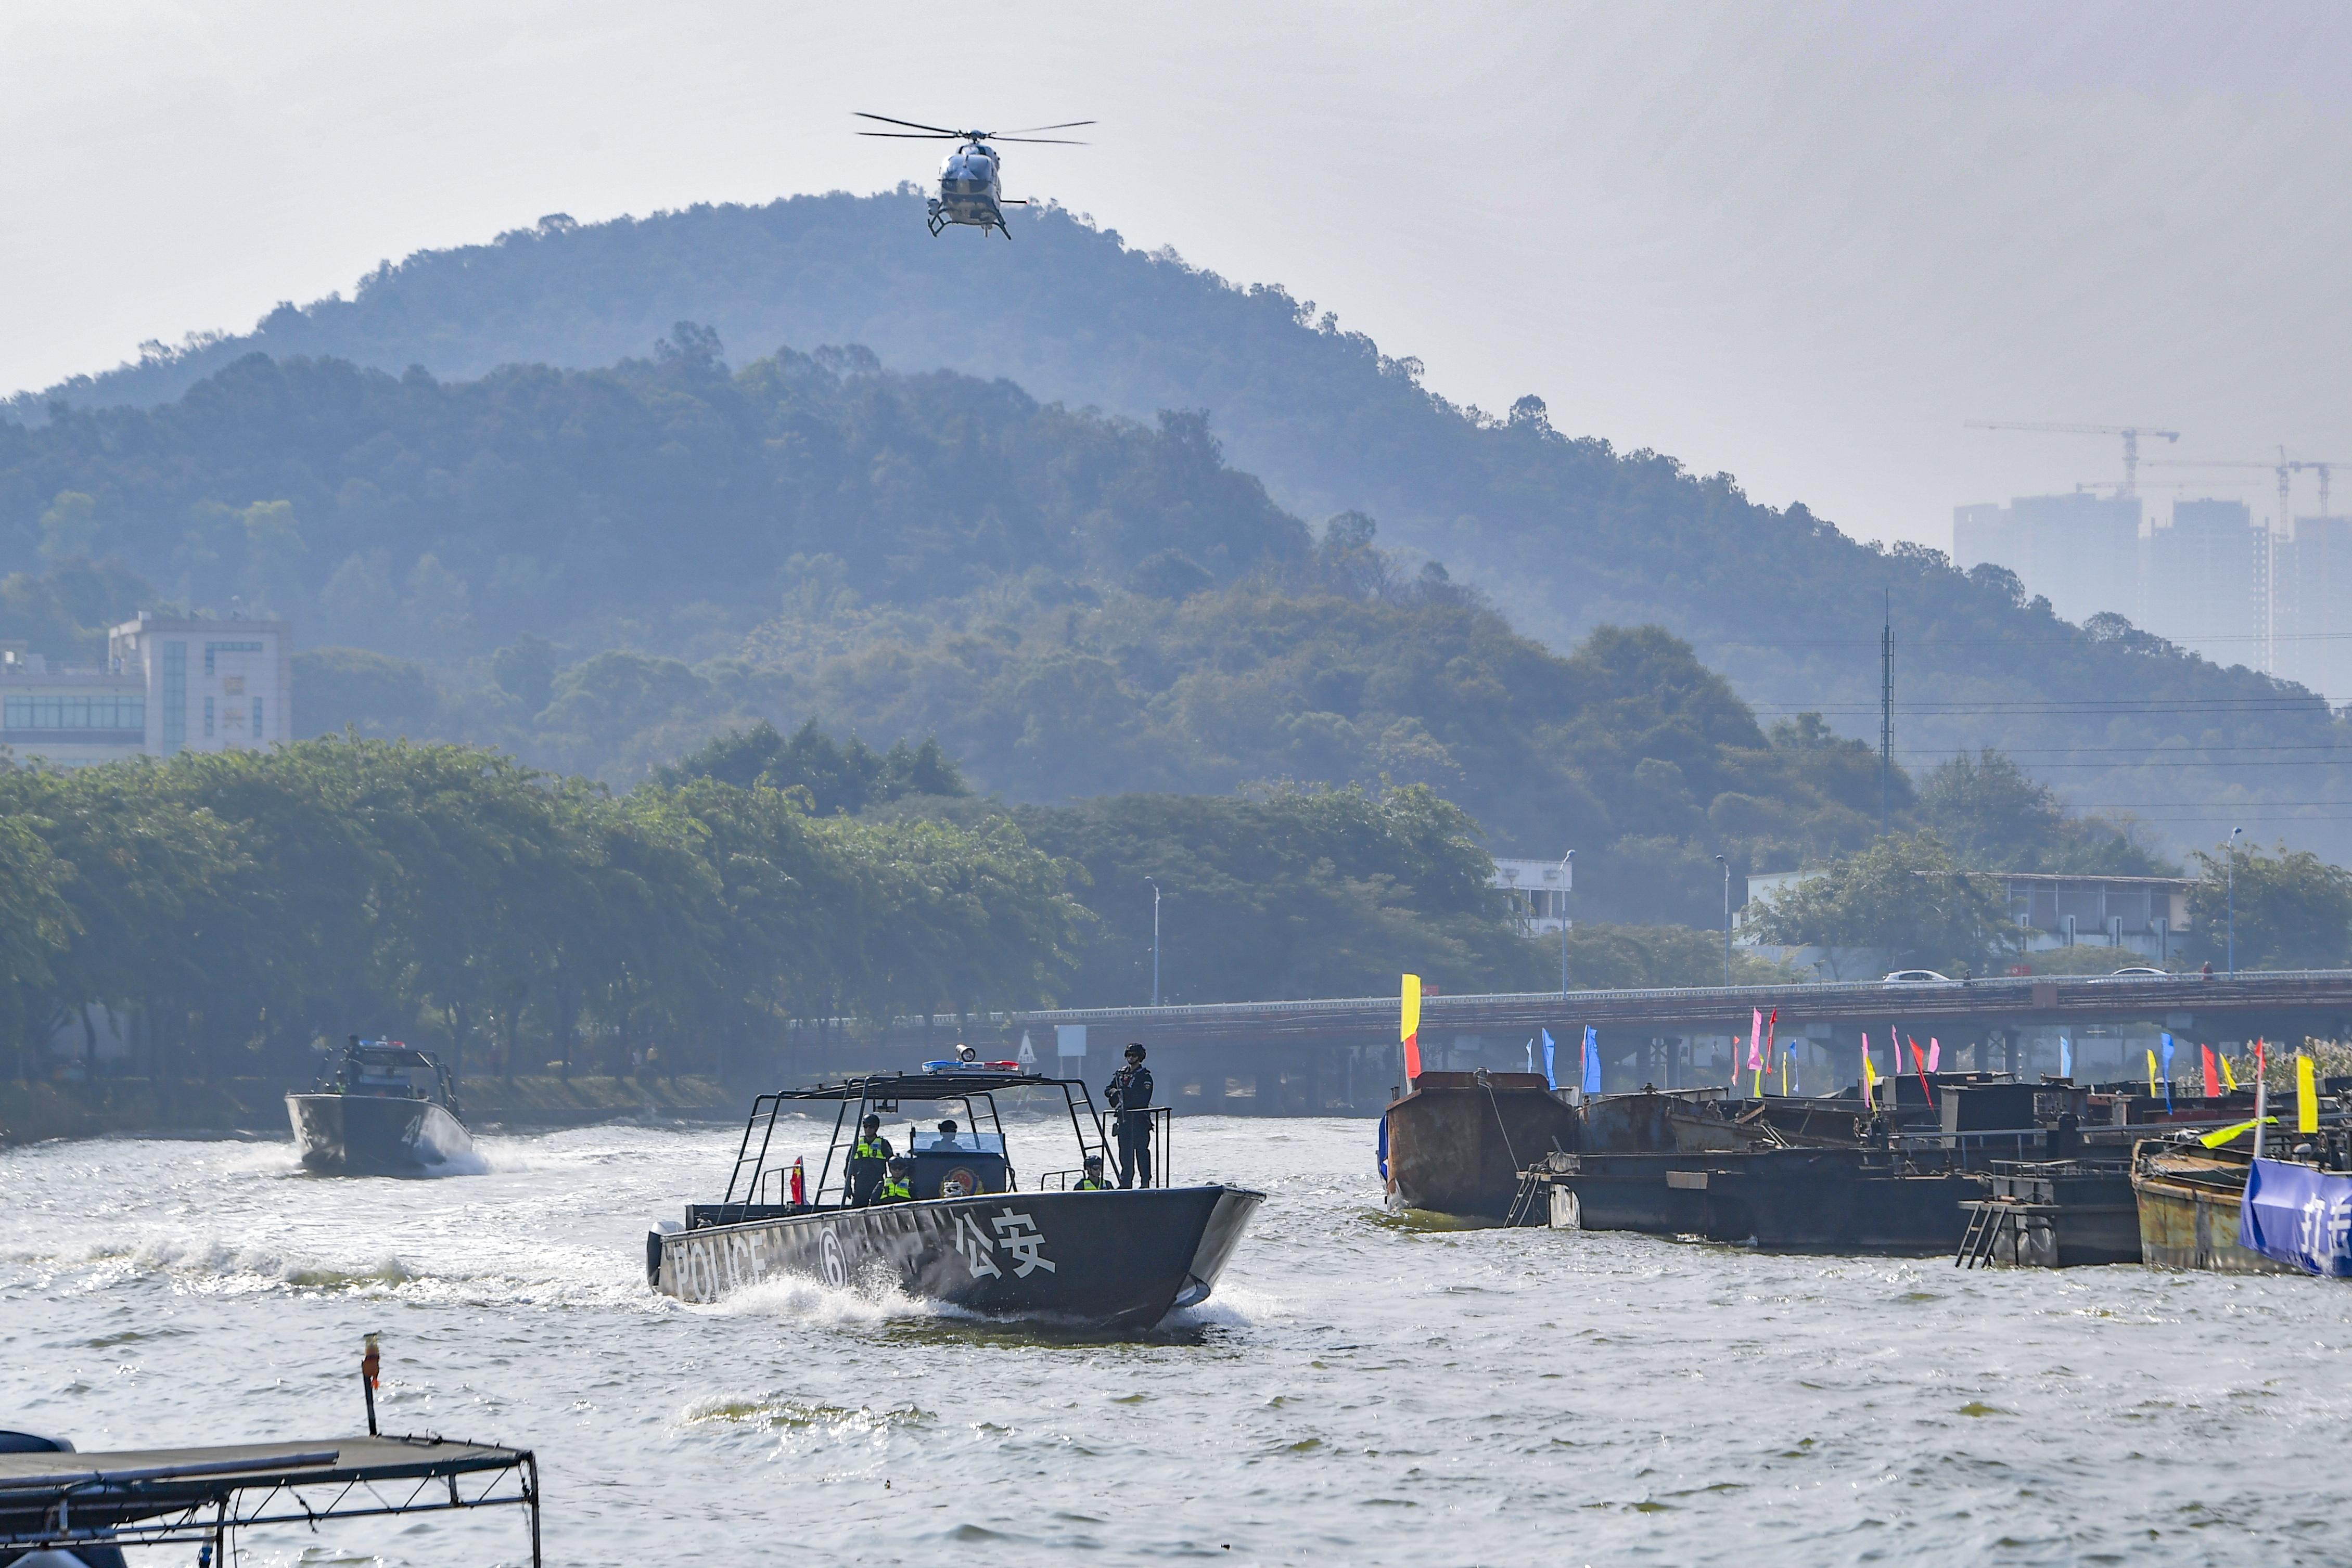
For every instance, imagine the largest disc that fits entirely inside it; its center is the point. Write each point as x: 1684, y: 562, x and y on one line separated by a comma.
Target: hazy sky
x: 1802, y: 243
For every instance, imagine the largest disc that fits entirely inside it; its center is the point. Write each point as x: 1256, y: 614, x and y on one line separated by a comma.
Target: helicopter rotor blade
x: 1039, y: 140
x: 908, y: 135
x: 1066, y: 125
x: 915, y: 124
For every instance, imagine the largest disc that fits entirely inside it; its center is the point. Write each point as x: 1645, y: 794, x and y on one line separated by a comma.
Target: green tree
x: 2295, y: 910
x: 1903, y: 899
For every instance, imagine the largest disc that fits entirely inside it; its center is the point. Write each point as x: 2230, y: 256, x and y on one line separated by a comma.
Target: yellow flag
x: 2219, y: 1136
x: 1869, y: 1077
x: 2306, y: 1097
x: 2153, y: 1091
x: 2229, y: 1077
x: 1412, y: 1008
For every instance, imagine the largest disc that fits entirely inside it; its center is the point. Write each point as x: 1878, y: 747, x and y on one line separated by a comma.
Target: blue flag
x: 1551, y: 1079
x: 2168, y: 1072
x: 2065, y: 1057
x: 2299, y: 1216
x: 1591, y: 1060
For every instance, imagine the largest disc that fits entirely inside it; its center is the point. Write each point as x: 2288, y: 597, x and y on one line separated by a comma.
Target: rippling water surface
x: 1359, y: 1390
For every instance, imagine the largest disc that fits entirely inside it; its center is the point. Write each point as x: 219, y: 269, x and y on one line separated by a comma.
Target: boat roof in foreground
x: 168, y: 1475
x: 952, y: 1085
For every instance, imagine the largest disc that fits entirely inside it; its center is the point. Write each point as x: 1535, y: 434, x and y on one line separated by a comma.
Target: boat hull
x: 1123, y: 1258
x: 1456, y: 1145
x: 1798, y: 1199
x: 2188, y: 1212
x: 371, y: 1134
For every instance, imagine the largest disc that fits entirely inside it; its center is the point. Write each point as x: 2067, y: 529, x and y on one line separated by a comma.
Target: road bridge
x: 1340, y: 1056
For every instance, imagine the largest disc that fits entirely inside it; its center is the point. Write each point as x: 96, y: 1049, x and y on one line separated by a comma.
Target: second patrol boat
x: 966, y: 1234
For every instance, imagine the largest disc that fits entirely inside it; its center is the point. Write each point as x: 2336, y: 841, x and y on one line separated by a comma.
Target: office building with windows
x: 1539, y: 892
x: 167, y: 687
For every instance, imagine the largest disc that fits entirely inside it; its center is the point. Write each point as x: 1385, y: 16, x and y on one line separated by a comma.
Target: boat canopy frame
x: 359, y: 1053
x: 208, y: 1496
x: 882, y: 1092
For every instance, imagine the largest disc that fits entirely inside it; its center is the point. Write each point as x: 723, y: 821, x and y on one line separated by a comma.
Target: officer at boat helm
x: 870, y: 1161
x: 948, y: 1135
x: 900, y: 1185
x: 1129, y: 1092
x: 1092, y: 1181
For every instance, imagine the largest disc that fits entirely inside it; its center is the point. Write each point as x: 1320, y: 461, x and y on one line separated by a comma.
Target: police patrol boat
x: 375, y: 1117
x: 965, y: 1233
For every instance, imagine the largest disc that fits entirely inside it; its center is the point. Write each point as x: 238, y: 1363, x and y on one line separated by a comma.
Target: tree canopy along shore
x: 1564, y: 533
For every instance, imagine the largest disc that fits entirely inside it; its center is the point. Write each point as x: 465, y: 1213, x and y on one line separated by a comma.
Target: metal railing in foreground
x: 209, y: 1503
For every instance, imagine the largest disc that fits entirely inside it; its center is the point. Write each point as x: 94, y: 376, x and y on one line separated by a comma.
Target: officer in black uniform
x: 1129, y: 1092
x: 870, y: 1161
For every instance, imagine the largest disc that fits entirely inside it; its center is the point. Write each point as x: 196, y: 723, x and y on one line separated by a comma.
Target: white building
x: 1538, y: 891
x: 167, y: 687
x: 2143, y: 919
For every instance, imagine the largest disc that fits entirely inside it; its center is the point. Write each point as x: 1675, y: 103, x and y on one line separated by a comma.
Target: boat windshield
x: 924, y: 1141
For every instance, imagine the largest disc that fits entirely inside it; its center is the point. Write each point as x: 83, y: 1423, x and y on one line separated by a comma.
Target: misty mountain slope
x: 1565, y: 534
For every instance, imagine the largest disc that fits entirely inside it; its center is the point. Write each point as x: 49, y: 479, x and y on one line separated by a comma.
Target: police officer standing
x: 870, y: 1161
x: 1129, y: 1092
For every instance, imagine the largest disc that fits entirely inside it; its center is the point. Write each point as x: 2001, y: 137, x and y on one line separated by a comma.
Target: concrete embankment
x: 254, y: 1107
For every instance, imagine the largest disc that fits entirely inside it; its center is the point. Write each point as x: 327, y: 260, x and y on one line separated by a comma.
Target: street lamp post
x: 2233, y: 899
x: 1568, y: 874
x: 1155, y: 940
x: 1727, y: 918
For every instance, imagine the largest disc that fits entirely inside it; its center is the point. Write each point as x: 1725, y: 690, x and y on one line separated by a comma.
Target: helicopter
x: 972, y: 191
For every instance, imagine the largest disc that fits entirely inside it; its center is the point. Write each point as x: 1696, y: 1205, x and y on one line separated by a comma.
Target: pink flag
x: 1756, y: 1039
x: 1934, y: 1051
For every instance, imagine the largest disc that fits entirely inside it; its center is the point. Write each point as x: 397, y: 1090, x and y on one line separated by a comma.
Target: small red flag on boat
x: 800, y: 1182
x: 2212, y: 1083
x: 1919, y: 1063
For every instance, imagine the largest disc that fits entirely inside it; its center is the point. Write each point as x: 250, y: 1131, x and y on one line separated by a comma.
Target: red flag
x: 2213, y: 1084
x: 1770, y: 1025
x: 1411, y: 1031
x: 1919, y: 1063
x: 800, y: 1183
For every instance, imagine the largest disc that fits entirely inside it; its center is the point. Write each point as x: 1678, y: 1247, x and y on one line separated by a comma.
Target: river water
x: 1360, y: 1390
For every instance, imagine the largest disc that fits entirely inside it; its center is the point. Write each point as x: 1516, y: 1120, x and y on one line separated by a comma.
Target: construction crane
x: 2286, y: 467
x: 2130, y: 432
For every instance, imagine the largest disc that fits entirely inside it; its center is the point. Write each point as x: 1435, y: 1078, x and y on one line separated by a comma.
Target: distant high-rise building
x: 2207, y: 580
x: 2079, y: 550
x: 2313, y: 606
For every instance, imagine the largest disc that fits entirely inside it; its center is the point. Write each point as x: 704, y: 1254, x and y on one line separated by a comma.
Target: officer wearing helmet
x: 899, y: 1185
x: 870, y: 1161
x: 1092, y: 1181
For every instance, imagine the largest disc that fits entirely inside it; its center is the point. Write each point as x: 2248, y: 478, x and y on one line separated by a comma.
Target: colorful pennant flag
x: 2065, y: 1057
x: 1756, y: 1038
x: 2169, y: 1048
x: 1934, y: 1049
x: 1919, y: 1062
x: 1591, y: 1060
x: 1409, y: 1028
x: 2152, y: 1090
x: 2229, y: 1076
x: 2213, y: 1078
x: 1869, y: 1074
x: 1550, y: 1080
x: 2307, y: 1095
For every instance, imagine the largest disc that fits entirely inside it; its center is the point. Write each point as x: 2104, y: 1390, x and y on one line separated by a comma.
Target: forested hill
x: 1565, y: 533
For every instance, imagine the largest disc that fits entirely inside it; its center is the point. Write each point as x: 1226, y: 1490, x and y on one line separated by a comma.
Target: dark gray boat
x: 969, y: 1236
x: 388, y: 1111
